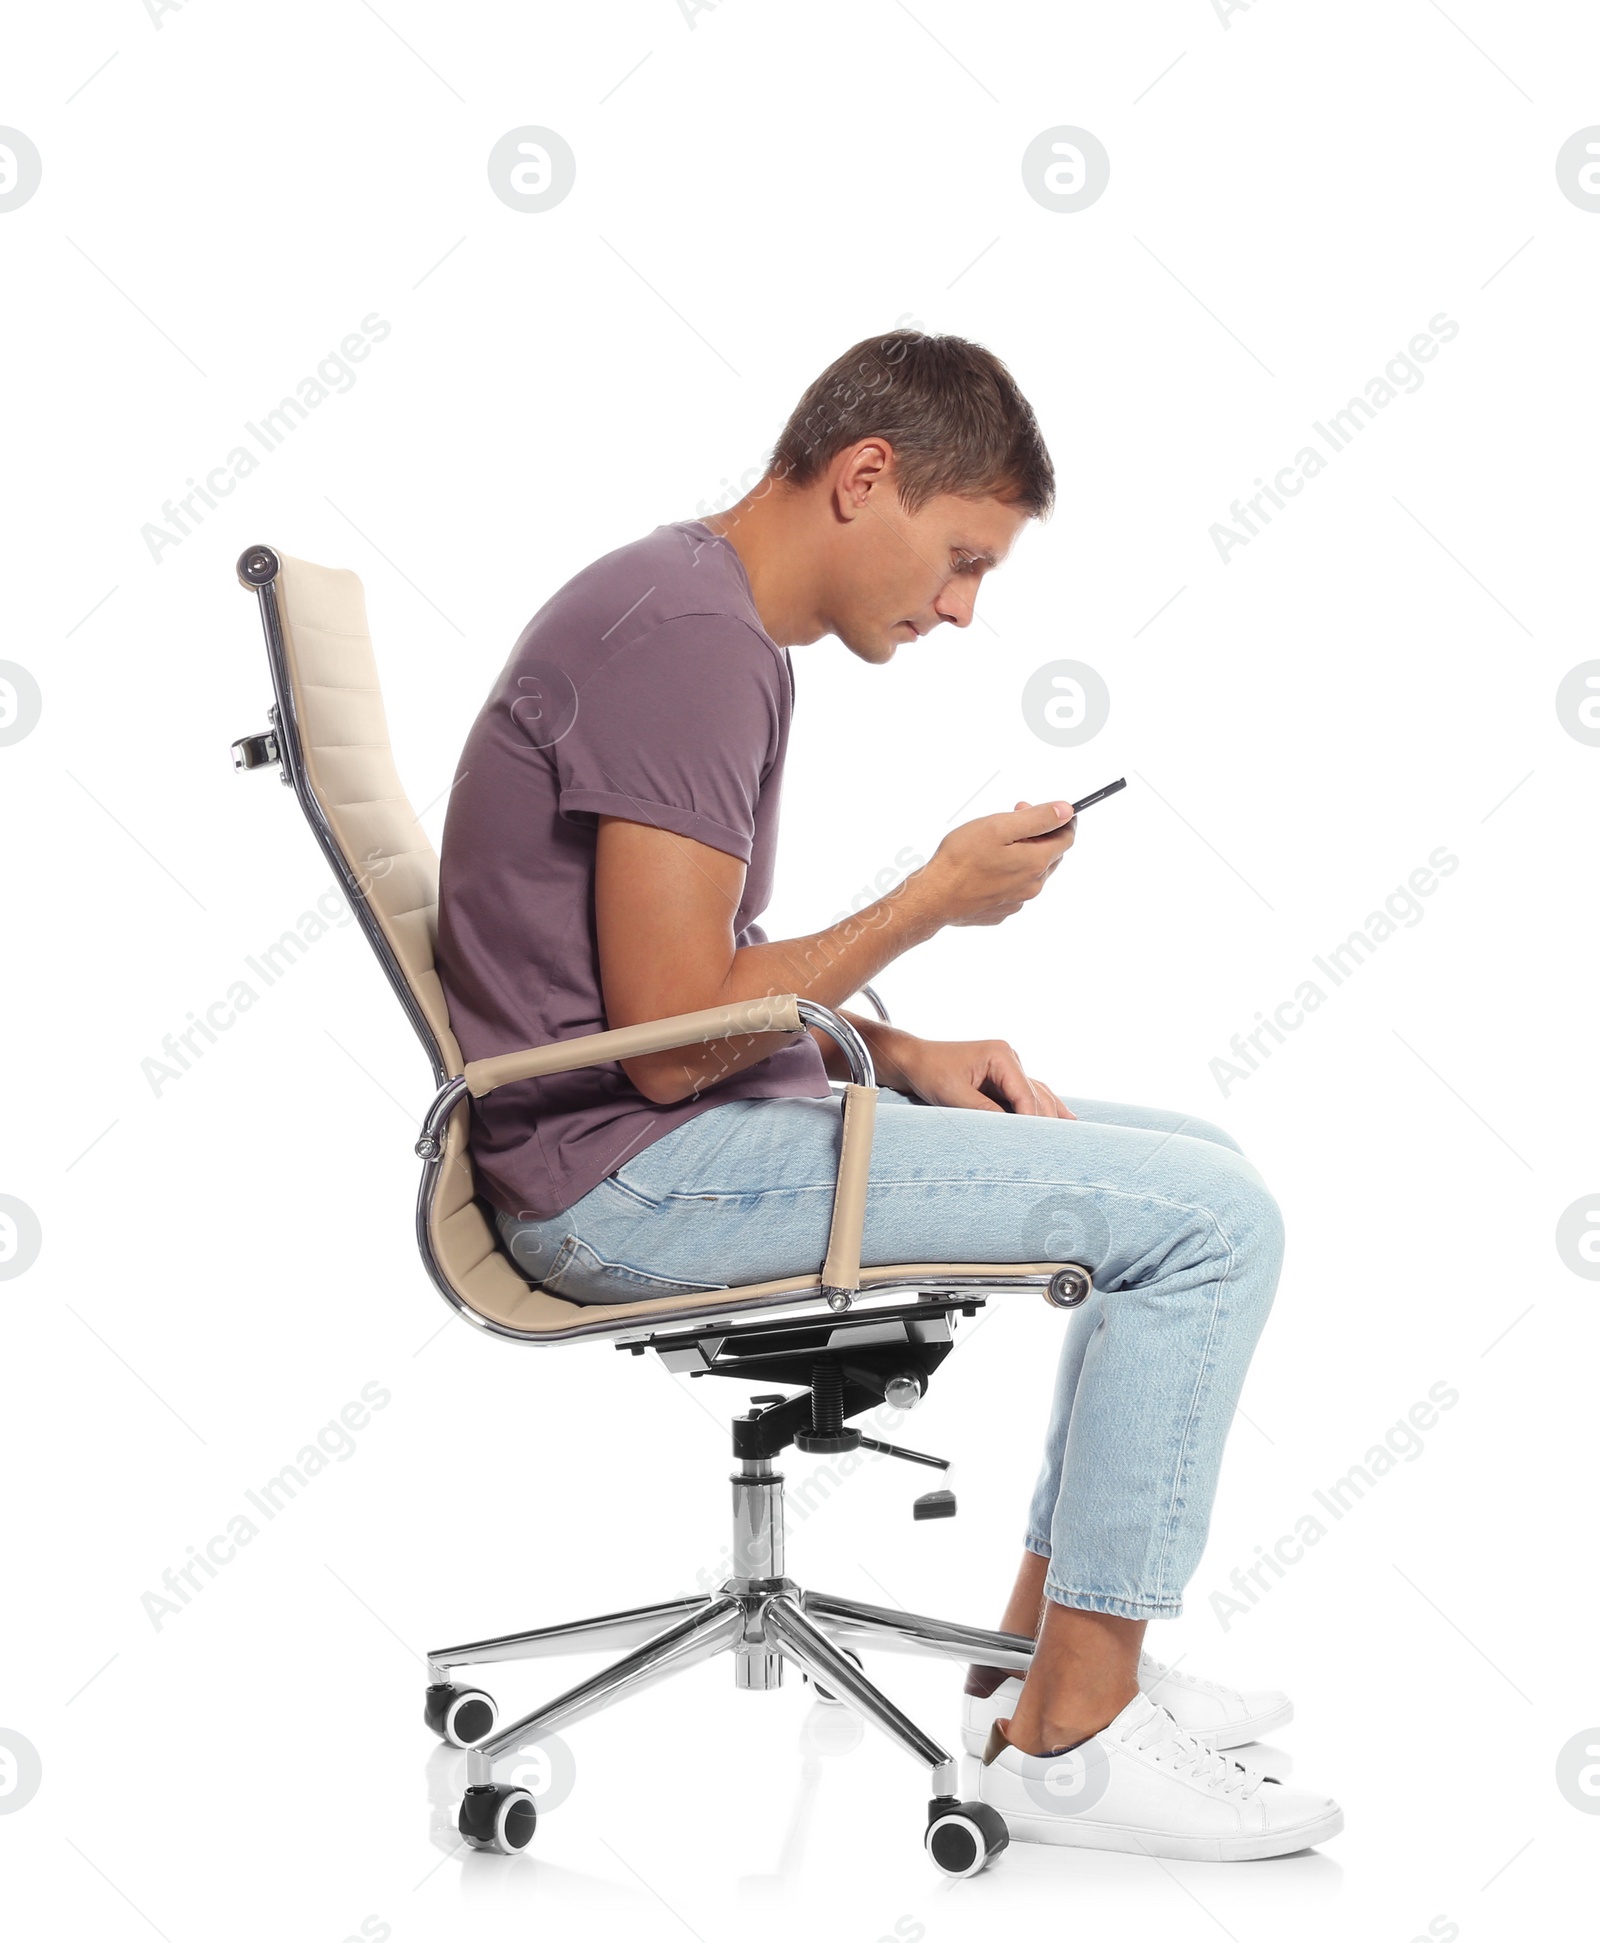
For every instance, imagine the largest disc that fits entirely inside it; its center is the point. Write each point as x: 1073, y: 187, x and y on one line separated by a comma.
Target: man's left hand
x: 981, y: 1073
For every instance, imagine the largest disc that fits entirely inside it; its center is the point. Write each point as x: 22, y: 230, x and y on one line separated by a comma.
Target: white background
x: 1295, y: 192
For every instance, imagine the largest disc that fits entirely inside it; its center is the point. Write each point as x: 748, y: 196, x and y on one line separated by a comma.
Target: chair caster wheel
x: 964, y: 1836
x: 463, y: 1716
x: 497, y: 1817
x: 832, y: 1699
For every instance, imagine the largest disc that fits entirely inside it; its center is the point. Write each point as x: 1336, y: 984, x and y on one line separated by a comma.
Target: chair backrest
x: 343, y: 744
x: 333, y: 742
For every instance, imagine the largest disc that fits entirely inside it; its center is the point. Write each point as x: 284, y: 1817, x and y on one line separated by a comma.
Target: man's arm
x: 664, y: 913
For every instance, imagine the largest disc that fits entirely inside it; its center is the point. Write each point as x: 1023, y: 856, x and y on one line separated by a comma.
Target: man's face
x: 899, y: 574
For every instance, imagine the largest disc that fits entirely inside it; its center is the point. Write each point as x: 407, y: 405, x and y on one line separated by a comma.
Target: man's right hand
x: 986, y: 870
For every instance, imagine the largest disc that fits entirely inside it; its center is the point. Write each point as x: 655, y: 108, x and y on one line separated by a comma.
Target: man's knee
x: 1238, y: 1207
x: 1253, y: 1222
x: 1267, y: 1224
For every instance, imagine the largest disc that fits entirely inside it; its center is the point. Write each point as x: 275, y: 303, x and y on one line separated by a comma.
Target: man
x: 608, y: 849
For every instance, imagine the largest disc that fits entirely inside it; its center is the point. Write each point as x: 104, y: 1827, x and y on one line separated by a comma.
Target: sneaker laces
x: 1157, y: 1670
x: 1160, y: 1736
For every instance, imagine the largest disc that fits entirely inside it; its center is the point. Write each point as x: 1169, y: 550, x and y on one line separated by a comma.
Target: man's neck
x: 770, y: 530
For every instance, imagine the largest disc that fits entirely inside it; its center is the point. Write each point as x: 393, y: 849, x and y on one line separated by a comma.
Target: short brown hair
x: 950, y: 410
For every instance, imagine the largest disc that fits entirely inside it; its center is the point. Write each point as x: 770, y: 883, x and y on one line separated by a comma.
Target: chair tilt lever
x: 932, y: 1504
x: 899, y: 1450
x: 814, y: 1422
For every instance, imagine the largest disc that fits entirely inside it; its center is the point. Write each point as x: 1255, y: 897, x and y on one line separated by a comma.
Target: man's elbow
x: 661, y: 1084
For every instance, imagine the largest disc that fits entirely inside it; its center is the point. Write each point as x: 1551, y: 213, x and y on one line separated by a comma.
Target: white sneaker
x: 1214, y: 1714
x: 1144, y: 1786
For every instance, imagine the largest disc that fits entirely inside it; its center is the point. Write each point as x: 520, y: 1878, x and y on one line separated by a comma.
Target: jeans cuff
x: 1039, y: 1546
x: 1108, y: 1602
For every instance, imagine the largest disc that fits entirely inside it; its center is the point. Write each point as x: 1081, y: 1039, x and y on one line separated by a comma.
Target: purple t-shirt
x: 645, y: 688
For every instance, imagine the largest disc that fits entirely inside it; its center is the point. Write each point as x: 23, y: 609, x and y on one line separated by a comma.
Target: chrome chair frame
x: 761, y: 1616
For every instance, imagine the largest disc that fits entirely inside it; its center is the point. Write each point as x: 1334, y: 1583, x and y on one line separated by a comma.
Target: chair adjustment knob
x: 827, y: 1443
x: 1069, y: 1287
x: 904, y: 1392
x: 257, y: 751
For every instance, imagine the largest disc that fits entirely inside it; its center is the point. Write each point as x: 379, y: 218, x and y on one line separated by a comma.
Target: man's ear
x: 865, y: 468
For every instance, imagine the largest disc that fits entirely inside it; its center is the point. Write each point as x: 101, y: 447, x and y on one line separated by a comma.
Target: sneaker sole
x: 1061, y: 1832
x: 1238, y: 1733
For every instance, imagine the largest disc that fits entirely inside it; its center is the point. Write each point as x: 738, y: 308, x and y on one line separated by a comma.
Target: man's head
x: 905, y: 473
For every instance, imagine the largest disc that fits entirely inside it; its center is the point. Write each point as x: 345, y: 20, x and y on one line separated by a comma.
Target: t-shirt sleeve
x: 676, y: 730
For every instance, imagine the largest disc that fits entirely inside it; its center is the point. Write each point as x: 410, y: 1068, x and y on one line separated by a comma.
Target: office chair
x: 844, y: 1338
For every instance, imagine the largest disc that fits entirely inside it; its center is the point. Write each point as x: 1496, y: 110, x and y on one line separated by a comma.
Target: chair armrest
x: 780, y: 1014
x: 841, y: 1272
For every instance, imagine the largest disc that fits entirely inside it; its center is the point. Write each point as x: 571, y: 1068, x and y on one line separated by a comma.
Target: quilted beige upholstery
x: 344, y: 741
x: 344, y: 744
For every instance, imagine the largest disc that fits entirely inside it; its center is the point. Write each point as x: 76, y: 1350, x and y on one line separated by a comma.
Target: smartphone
x: 1099, y: 794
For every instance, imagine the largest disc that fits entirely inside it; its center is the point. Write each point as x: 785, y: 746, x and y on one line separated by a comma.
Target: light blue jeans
x: 1182, y: 1236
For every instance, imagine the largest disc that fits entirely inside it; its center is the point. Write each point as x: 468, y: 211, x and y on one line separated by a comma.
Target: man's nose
x: 955, y: 608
